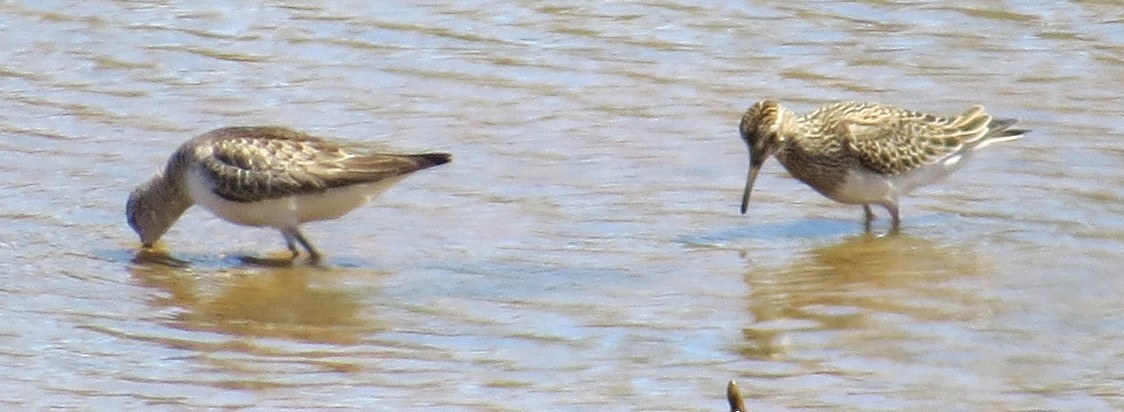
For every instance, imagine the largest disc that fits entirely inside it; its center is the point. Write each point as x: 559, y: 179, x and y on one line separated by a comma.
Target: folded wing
x: 266, y: 163
x: 893, y: 141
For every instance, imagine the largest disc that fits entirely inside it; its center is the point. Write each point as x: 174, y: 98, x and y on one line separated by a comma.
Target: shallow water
x: 584, y: 249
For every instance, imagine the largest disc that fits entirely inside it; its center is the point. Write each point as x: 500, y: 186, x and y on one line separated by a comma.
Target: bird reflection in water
x: 849, y: 284
x: 296, y: 303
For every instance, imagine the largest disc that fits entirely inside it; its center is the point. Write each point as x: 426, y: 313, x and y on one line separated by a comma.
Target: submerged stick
x: 734, y: 396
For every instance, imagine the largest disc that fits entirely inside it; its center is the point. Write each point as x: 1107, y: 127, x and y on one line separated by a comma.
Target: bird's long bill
x: 754, y: 167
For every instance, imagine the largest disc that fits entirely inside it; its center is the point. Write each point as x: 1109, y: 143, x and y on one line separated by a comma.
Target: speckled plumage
x: 266, y: 176
x: 866, y: 153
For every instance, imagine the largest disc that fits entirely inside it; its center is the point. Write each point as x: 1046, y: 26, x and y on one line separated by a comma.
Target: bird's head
x: 150, y: 211
x: 763, y: 129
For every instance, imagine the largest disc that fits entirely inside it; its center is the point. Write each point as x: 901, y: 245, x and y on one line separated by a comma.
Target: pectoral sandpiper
x: 866, y: 153
x: 267, y: 176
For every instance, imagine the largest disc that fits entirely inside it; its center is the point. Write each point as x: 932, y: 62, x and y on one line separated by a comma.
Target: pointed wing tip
x: 434, y: 159
x: 1000, y: 129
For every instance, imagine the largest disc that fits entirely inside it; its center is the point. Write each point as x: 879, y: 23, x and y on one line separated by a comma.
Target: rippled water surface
x: 584, y: 250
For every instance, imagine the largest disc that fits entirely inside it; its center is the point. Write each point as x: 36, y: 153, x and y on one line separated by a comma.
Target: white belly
x: 865, y: 187
x: 287, y: 211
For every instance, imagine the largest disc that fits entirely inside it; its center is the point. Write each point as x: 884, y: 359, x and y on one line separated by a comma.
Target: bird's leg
x: 271, y: 262
x: 869, y: 214
x: 295, y: 233
x: 895, y: 219
x: 290, y: 240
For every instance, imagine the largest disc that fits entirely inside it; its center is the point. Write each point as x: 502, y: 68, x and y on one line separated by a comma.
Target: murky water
x: 584, y: 250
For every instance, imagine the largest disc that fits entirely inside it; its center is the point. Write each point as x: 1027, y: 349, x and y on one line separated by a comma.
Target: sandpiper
x: 866, y: 153
x: 267, y: 176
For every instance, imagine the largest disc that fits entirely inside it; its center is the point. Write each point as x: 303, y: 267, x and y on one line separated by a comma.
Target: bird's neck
x: 170, y: 195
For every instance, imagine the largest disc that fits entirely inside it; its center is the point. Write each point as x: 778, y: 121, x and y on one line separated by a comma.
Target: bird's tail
x: 980, y: 129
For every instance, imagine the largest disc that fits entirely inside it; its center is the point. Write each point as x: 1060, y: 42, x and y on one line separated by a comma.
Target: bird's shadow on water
x: 160, y: 257
x: 807, y: 229
x: 803, y: 229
